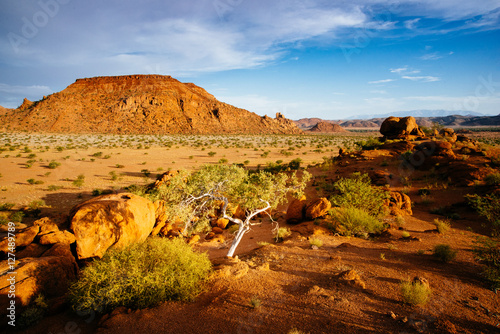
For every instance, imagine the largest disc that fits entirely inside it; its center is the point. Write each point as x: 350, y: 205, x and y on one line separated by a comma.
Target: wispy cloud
x: 378, y: 92
x: 381, y: 81
x: 421, y: 78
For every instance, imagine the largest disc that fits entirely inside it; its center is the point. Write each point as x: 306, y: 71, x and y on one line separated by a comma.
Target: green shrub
x: 282, y: 233
x: 34, y: 313
x: 492, y: 179
x: 487, y: 206
x: 442, y: 226
x: 487, y: 252
x: 80, y: 179
x: 356, y: 222
x: 54, y: 164
x: 6, y: 206
x: 415, y: 293
x: 358, y: 192
x: 369, y: 144
x: 316, y: 242
x: 17, y: 217
x: 53, y: 187
x: 33, y: 181
x: 141, y: 275
x: 255, y: 302
x: 444, y: 253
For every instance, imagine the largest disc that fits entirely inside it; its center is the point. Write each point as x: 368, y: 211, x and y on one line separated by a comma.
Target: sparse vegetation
x: 255, y: 302
x: 316, y: 242
x: 54, y: 164
x: 358, y: 192
x: 444, y: 253
x: 282, y: 233
x: 442, y: 226
x: 487, y: 206
x: 414, y: 293
x: 141, y: 275
x: 487, y: 252
x: 79, y: 181
x: 355, y: 222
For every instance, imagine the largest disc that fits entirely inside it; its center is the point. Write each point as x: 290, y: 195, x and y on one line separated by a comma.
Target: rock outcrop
x: 111, y: 221
x: 400, y: 128
x: 145, y: 104
x: 327, y: 127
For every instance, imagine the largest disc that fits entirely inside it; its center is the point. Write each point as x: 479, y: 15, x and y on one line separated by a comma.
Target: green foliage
x: 53, y: 187
x: 282, y: 233
x: 356, y: 222
x: 442, y: 226
x: 196, y: 194
x: 444, y: 253
x: 255, y: 302
x: 212, y: 153
x: 54, y: 164
x: 414, y: 293
x: 358, y: 192
x: 6, y: 206
x: 34, y: 313
x: 316, y: 242
x: 492, y: 179
x: 487, y: 252
x: 17, y: 216
x: 369, y: 144
x: 33, y: 181
x: 146, y: 172
x: 141, y: 275
x: 80, y: 180
x: 487, y: 206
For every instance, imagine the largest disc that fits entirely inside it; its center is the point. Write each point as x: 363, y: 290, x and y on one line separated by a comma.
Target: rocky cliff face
x: 133, y: 104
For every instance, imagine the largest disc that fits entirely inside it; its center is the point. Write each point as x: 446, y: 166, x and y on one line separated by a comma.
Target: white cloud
x: 26, y: 90
x: 381, y: 81
x: 411, y: 24
x: 378, y: 92
x: 431, y: 56
x: 421, y: 78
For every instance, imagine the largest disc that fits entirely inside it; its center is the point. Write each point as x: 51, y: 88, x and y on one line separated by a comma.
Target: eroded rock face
x: 318, y: 208
x: 111, y: 221
x: 399, y: 203
x: 49, y: 276
x: 399, y: 128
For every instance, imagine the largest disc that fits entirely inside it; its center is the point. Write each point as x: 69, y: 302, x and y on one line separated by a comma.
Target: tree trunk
x: 241, y: 231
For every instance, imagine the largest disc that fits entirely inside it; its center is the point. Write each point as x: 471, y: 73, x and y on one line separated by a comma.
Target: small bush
x: 444, y: 253
x: 442, y: 226
x: 358, y: 192
x: 316, y: 242
x: 6, y: 206
x: 255, y: 302
x: 33, y: 181
x: 141, y: 275
x: 356, y: 222
x: 487, y: 252
x: 493, y: 179
x: 54, y: 164
x: 53, y: 187
x: 487, y: 206
x: 33, y: 313
x: 405, y: 234
x: 17, y: 217
x: 415, y: 293
x: 282, y: 233
x: 369, y: 144
x: 80, y: 179
x: 212, y: 153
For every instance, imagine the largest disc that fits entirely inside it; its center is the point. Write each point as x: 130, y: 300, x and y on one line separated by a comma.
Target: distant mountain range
x: 419, y: 113
x: 308, y: 124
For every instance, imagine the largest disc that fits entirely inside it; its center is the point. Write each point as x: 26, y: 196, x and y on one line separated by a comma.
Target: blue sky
x: 312, y: 58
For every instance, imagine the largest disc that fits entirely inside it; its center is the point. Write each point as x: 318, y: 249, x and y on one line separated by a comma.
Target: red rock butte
x: 138, y: 104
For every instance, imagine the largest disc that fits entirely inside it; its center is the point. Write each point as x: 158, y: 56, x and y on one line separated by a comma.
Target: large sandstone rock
x: 111, y: 221
x: 63, y: 237
x: 429, y: 153
x: 398, y: 128
x: 399, y: 203
x: 49, y: 276
x: 318, y: 208
x: 296, y: 211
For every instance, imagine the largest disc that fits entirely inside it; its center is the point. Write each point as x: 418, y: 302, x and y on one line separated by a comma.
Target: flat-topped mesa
x: 136, y: 104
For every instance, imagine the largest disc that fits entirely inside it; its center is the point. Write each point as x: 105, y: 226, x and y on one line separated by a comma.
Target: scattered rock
x: 318, y: 208
x: 160, y: 216
x: 46, y: 226
x: 193, y: 240
x: 26, y: 237
x: 296, y: 211
x: 115, y: 220
x: 217, y: 230
x: 63, y: 237
x: 399, y: 204
x: 221, y: 223
x: 400, y: 128
x: 352, y: 278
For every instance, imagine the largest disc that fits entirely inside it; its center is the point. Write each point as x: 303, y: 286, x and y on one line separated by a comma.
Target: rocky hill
x: 138, y: 104
x: 327, y: 127
x: 449, y: 121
